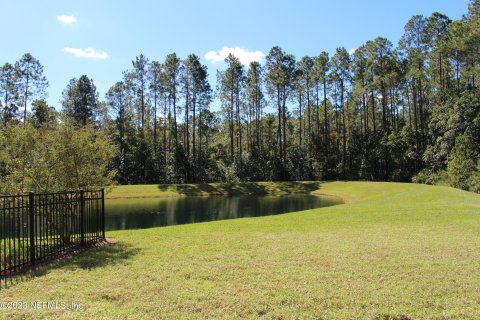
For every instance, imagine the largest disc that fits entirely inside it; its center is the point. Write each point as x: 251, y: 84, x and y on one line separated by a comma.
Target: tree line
x: 382, y: 112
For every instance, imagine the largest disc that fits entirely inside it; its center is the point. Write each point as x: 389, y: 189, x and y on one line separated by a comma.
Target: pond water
x: 122, y: 214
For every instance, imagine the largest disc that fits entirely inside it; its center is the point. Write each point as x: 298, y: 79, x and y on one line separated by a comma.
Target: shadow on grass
x: 245, y: 188
x: 87, y: 258
x: 91, y: 258
x: 299, y: 187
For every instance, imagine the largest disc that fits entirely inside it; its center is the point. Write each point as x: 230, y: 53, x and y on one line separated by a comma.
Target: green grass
x: 208, y: 189
x: 395, y: 251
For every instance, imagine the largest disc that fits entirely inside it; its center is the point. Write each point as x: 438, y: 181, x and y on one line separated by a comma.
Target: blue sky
x: 117, y: 31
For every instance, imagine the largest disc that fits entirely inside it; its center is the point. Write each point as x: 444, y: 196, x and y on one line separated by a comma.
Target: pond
x: 123, y: 214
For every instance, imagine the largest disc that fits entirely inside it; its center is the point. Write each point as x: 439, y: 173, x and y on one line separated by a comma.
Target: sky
x: 100, y: 38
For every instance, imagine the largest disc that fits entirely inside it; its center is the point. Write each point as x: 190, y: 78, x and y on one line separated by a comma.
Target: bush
x: 427, y: 176
x: 46, y: 159
x: 462, y: 163
x: 474, y: 180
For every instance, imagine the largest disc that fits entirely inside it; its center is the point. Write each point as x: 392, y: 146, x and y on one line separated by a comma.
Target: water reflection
x: 146, y: 213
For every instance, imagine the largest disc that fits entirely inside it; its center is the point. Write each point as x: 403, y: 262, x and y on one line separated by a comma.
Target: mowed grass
x: 394, y: 251
x: 211, y: 189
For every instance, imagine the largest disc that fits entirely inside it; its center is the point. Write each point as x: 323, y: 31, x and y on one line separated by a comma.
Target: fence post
x: 31, y: 213
x: 82, y: 214
x: 103, y: 213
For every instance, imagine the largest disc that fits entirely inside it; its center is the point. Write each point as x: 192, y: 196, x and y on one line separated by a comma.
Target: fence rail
x: 38, y: 226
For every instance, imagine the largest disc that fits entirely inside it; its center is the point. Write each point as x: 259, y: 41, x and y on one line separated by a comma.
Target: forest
x: 382, y: 112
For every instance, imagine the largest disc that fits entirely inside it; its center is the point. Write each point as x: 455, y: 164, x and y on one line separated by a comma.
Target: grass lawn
x: 209, y: 189
x: 394, y: 251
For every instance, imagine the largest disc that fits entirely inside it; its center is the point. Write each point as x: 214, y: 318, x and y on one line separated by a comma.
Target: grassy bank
x: 396, y: 251
x: 211, y: 189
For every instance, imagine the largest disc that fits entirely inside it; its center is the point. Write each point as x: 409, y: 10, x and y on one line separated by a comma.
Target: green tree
x: 360, y: 77
x: 157, y: 89
x: 230, y: 84
x: 139, y: 79
x: 462, y: 163
x: 254, y: 98
x: 32, y: 83
x: 43, y: 114
x: 119, y: 101
x: 80, y: 101
x: 438, y: 68
x: 341, y: 76
x: 413, y: 47
x: 280, y: 69
x: 321, y: 69
x: 305, y: 80
x: 195, y: 90
x: 49, y: 159
x: 173, y: 71
x: 8, y: 92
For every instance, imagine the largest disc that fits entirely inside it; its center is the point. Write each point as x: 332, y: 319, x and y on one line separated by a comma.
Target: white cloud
x: 89, y: 53
x: 67, y: 19
x: 352, y: 51
x: 243, y: 55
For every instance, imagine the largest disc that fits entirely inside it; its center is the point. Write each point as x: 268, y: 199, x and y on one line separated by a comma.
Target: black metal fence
x: 38, y: 226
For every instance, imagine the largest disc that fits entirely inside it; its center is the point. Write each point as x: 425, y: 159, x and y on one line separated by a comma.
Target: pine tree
x: 32, y: 83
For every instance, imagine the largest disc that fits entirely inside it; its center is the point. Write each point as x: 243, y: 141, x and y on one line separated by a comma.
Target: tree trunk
x: 194, y: 124
x: 300, y: 117
x: 26, y: 98
x: 279, y: 129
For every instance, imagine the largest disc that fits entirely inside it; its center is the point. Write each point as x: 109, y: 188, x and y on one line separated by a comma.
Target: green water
x: 123, y: 214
